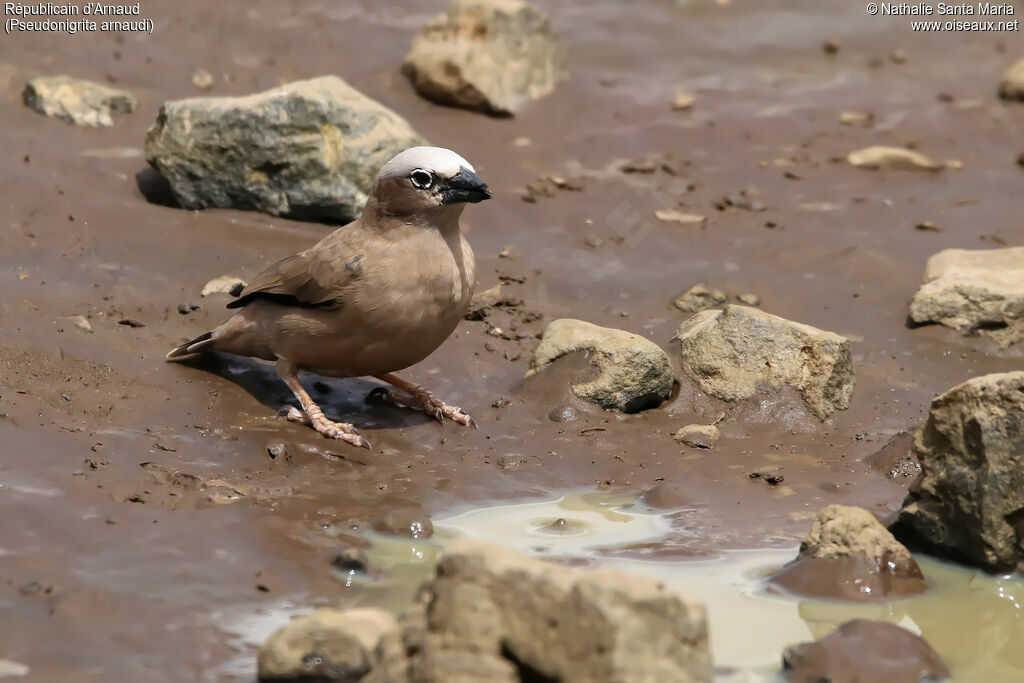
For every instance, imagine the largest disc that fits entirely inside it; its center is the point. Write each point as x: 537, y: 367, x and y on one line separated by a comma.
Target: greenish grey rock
x: 308, y: 150
x: 974, y: 291
x: 491, y: 56
x: 77, y: 101
x: 332, y: 645
x: 968, y: 503
x: 733, y: 352
x: 635, y: 373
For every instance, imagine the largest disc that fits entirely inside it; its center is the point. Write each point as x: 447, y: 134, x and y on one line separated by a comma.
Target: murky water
x: 973, y: 620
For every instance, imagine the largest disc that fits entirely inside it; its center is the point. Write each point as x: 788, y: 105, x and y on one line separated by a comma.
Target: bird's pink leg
x: 311, y: 413
x: 419, y: 397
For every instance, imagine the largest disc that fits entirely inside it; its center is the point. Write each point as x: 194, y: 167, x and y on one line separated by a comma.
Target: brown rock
x: 849, y: 555
x: 861, y: 651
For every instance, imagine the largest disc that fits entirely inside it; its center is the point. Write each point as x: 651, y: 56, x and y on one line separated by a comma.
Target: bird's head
x: 426, y: 179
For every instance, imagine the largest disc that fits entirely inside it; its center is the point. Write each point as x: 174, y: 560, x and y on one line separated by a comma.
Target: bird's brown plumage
x: 372, y: 297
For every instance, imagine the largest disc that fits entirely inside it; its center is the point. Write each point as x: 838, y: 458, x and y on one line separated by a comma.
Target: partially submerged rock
x: 697, y: 436
x: 494, y: 615
x: 974, y: 291
x: 698, y: 298
x: 77, y: 101
x: 635, y: 373
x: 892, y: 158
x: 849, y: 555
x: 491, y: 56
x: 308, y: 149
x: 733, y: 352
x: 863, y: 650
x: 331, y: 645
x: 968, y: 503
x: 1011, y: 86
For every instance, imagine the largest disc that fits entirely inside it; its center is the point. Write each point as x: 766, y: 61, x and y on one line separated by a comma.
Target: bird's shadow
x: 342, y: 400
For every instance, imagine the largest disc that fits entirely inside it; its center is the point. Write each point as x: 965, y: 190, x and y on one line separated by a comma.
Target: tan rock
x: 892, y: 158
x: 974, y: 291
x: 492, y: 56
x: 698, y: 298
x: 733, y: 352
x: 697, y: 436
x: 1011, y: 86
x: 635, y: 373
x: 77, y: 101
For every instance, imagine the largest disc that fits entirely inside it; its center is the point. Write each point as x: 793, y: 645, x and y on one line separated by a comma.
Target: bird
x: 372, y: 298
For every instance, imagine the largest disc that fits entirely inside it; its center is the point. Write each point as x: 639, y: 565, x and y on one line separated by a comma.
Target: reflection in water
x: 973, y: 620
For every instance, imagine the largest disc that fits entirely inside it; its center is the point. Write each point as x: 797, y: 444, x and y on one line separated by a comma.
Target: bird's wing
x: 318, y: 277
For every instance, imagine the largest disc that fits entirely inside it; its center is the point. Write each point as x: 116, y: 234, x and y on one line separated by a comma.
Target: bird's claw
x: 426, y: 401
x: 332, y: 430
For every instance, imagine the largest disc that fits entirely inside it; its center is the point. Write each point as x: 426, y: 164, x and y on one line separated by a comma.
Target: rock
x: 892, y: 158
x: 404, y: 522
x: 73, y: 100
x: 635, y: 373
x: 849, y: 555
x: 734, y: 351
x: 673, y: 216
x: 857, y: 118
x: 81, y: 322
x: 749, y: 299
x: 202, y: 79
x: 225, y: 284
x: 491, y: 56
x: 330, y: 645
x: 864, y: 650
x: 492, y: 614
x: 968, y: 503
x: 697, y: 436
x: 974, y: 291
x: 563, y: 413
x: 668, y: 496
x: 683, y: 101
x: 698, y: 298
x: 308, y: 149
x: 1011, y: 87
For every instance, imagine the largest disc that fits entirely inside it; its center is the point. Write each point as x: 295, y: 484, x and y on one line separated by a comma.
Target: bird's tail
x: 203, y: 342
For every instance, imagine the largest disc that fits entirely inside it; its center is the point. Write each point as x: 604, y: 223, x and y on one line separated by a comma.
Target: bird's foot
x: 332, y: 430
x: 424, y: 400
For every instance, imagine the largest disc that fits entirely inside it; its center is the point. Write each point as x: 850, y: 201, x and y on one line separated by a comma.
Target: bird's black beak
x: 464, y: 186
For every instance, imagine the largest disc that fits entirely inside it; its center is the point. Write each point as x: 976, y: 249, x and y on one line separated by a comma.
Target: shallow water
x: 970, y: 618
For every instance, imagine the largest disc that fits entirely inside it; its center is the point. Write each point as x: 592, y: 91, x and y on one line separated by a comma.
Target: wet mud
x: 149, y: 506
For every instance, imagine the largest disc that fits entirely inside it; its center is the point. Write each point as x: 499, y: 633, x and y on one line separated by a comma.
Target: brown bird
x: 373, y: 297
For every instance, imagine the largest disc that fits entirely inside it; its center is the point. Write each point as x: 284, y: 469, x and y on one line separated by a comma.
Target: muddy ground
x: 139, y: 503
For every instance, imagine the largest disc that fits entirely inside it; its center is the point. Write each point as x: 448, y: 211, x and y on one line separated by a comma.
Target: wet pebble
x: 278, y: 453
x: 185, y: 309
x: 770, y: 476
x: 404, y: 522
x: 865, y: 650
x: 131, y: 322
x: 350, y: 559
x: 563, y: 413
x: 667, y: 496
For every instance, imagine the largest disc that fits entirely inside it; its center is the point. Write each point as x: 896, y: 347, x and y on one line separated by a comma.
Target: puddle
x: 973, y: 620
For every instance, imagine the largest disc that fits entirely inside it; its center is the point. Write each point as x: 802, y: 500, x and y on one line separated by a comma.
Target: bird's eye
x: 422, y: 179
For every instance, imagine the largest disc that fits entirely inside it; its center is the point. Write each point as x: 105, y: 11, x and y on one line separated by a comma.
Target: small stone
x: 830, y: 46
x: 350, y: 559
x: 130, y: 322
x: 892, y: 158
x: 698, y: 298
x: 225, y: 284
x: 697, y: 436
x: 1011, y: 87
x: 81, y: 322
x: 77, y: 101
x: 927, y: 226
x: 683, y: 102
x: 898, y: 57
x: 673, y: 216
x: 749, y: 299
x: 857, y: 118
x: 202, y: 79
